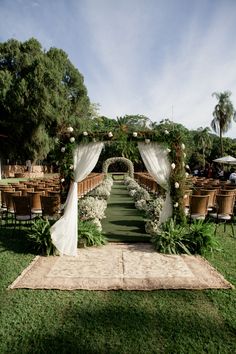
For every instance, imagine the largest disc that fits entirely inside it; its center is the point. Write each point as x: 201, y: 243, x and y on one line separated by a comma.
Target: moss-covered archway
x: 112, y: 160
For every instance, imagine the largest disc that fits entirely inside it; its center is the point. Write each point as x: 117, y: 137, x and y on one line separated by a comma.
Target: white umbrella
x: 230, y: 160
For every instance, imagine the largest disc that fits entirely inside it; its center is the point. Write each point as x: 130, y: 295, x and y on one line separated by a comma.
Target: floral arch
x: 162, y: 152
x: 112, y: 160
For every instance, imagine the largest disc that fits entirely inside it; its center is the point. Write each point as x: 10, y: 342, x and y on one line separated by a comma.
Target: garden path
x: 123, y: 222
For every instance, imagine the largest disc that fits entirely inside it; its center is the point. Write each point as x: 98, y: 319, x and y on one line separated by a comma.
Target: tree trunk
x: 221, y: 143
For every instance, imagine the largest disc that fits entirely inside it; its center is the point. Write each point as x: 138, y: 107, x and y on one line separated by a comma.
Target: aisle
x: 123, y: 222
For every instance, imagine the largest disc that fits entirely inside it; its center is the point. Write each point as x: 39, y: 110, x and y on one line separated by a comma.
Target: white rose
x: 135, y: 134
x: 72, y: 139
x: 176, y: 185
x: 186, y: 174
x: 173, y: 166
x: 183, y: 146
x: 185, y: 196
x: 70, y: 129
x: 184, y: 154
x: 168, y: 150
x: 62, y: 180
x: 63, y: 149
x: 85, y: 133
x: 166, y: 132
x: 71, y: 167
x: 110, y: 135
x: 187, y: 166
x: 176, y: 205
x: 147, y: 141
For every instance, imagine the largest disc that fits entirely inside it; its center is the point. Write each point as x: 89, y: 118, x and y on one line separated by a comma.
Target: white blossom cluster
x: 152, y: 227
x: 141, y: 204
x: 91, y: 208
x: 154, y: 209
x: 103, y: 191
x: 141, y: 193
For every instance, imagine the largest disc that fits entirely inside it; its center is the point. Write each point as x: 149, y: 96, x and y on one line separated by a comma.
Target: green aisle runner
x: 123, y: 222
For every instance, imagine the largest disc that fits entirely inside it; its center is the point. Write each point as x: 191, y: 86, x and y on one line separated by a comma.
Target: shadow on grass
x: 125, y: 325
x: 16, y: 241
x: 128, y: 205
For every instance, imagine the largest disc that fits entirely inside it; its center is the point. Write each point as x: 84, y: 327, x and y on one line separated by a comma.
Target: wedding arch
x: 163, y: 156
x: 113, y: 160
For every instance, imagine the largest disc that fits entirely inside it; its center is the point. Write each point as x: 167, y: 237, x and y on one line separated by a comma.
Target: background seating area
x: 43, y: 196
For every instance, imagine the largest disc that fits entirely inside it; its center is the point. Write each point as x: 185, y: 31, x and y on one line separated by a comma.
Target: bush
x: 91, y: 208
x: 40, y: 236
x: 90, y: 234
x: 175, y: 238
x: 169, y: 238
x: 201, y: 237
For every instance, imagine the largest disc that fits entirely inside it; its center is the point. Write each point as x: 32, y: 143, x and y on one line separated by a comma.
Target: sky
x: 158, y: 58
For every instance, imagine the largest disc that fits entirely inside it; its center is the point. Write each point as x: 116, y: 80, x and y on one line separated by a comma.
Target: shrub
x: 169, y: 238
x: 176, y: 238
x: 91, y: 208
x: 201, y: 237
x: 89, y: 233
x: 40, y: 236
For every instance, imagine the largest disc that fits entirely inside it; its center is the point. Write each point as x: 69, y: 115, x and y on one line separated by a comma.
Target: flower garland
x: 171, y: 139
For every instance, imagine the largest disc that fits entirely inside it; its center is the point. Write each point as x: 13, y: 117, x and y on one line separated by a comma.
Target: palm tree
x: 203, y: 141
x: 223, y: 114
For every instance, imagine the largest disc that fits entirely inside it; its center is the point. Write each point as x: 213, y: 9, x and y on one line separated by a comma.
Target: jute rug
x: 120, y: 266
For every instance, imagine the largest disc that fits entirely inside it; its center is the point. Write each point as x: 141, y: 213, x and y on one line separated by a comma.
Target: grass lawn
x: 47, y: 321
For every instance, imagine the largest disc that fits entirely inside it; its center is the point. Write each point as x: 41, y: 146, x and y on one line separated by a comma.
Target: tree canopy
x: 41, y: 93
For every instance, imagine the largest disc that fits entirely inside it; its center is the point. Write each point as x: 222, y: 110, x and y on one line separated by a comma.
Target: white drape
x: 64, y: 232
x: 156, y: 161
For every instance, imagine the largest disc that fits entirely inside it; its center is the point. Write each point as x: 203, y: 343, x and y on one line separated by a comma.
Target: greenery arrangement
x: 90, y: 235
x: 174, y: 238
x: 40, y: 237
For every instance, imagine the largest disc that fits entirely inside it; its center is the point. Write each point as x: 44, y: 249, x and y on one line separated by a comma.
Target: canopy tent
x: 230, y: 160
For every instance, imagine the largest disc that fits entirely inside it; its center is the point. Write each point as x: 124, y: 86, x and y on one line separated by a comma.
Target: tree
x: 41, y: 93
x: 203, y: 142
x: 223, y: 114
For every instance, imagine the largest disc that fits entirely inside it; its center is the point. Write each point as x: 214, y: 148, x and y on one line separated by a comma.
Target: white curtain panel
x: 156, y: 161
x: 64, y: 232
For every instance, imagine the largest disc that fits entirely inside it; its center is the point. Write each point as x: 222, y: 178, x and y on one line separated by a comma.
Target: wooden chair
x: 22, y: 209
x: 198, y: 207
x: 212, y: 197
x: 224, y: 210
x: 9, y: 203
x: 50, y: 207
x: 36, y: 207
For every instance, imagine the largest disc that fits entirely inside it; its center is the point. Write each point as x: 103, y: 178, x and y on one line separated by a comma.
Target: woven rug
x: 120, y: 266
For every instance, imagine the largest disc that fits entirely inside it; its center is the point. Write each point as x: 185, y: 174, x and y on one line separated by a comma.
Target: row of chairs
x: 145, y: 180
x: 22, y: 211
x: 221, y: 211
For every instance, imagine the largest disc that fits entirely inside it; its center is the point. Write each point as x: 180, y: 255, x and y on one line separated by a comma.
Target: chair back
x: 9, y: 200
x: 35, y: 200
x: 22, y: 205
x: 225, y: 204
x: 212, y: 196
x: 50, y: 205
x: 4, y: 196
x: 198, y: 204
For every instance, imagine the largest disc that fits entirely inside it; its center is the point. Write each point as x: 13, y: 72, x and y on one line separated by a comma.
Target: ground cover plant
x: 48, y: 321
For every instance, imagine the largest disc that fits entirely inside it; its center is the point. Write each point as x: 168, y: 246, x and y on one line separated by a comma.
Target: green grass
x: 47, y: 321
x: 123, y: 221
